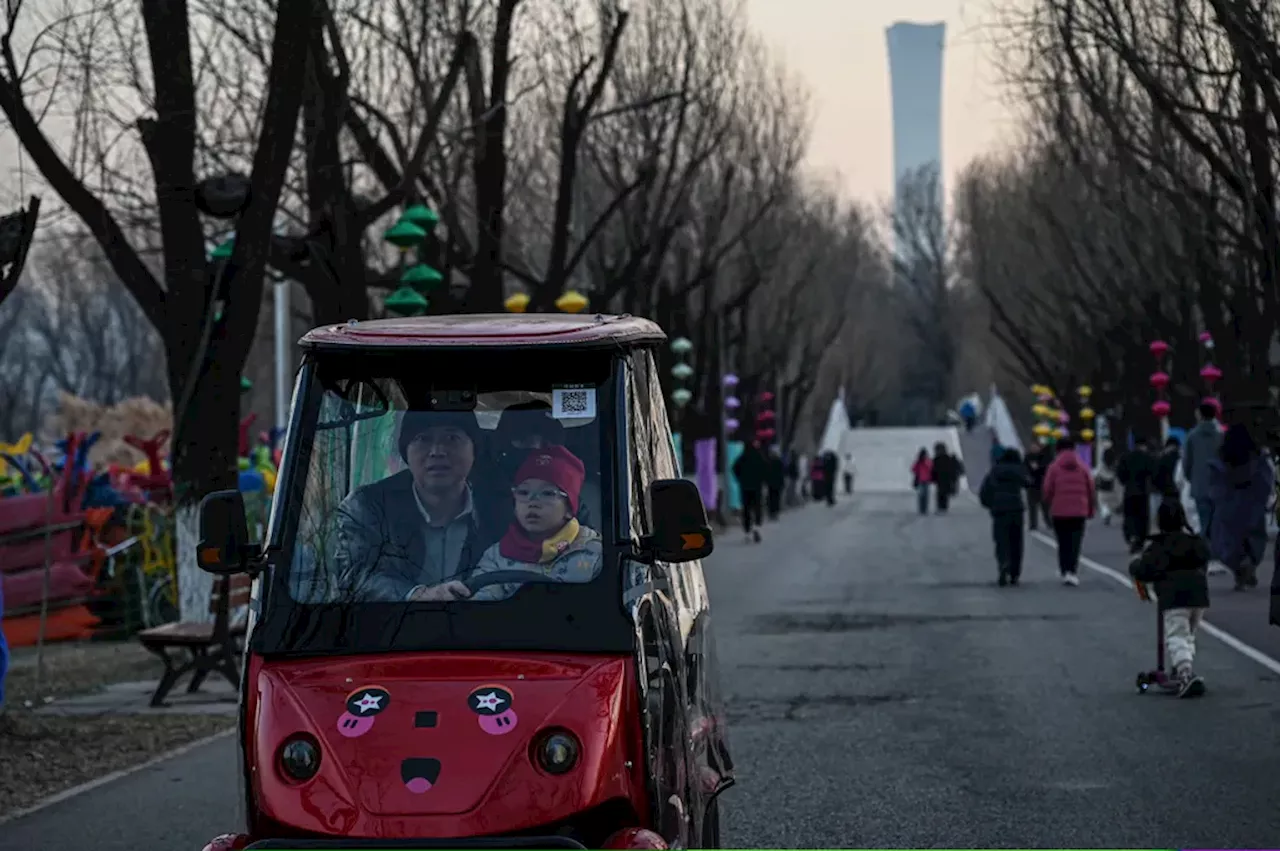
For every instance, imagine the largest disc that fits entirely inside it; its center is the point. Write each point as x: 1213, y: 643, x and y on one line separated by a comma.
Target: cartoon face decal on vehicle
x: 493, y: 703
x: 363, y: 706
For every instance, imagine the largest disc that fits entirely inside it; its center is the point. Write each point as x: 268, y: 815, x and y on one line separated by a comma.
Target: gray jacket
x: 1201, y: 449
x: 385, y: 547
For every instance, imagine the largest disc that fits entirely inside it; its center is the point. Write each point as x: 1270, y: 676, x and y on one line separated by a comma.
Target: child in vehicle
x: 1176, y: 562
x: 545, y: 539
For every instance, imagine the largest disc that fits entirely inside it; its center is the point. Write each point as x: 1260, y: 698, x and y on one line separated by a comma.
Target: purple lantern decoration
x: 731, y: 424
x: 730, y: 380
x: 732, y: 403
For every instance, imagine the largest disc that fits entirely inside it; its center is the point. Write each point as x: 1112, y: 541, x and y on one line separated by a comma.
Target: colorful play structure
x: 88, y: 551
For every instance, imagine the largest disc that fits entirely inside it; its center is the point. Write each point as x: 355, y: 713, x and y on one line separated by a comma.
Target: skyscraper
x: 915, y: 79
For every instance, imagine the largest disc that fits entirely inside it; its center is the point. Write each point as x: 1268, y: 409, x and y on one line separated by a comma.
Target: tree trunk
x: 205, y: 459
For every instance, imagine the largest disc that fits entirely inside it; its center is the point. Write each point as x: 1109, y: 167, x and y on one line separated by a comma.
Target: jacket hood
x: 1067, y: 461
x: 1006, y: 472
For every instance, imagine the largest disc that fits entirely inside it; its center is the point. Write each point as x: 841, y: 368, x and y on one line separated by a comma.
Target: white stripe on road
x: 112, y: 777
x: 1222, y: 635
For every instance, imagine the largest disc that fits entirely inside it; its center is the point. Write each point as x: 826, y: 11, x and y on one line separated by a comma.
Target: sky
x: 837, y: 49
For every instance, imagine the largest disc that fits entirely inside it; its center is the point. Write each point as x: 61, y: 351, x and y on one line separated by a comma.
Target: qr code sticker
x: 573, y: 403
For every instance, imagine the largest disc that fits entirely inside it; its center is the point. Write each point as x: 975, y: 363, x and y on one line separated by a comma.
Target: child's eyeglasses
x: 540, y: 495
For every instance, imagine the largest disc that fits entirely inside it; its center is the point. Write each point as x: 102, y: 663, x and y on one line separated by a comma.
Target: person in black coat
x: 829, y: 464
x: 1001, y: 494
x: 750, y: 470
x: 1038, y: 461
x: 946, y: 476
x: 1165, y: 481
x: 1136, y: 473
x: 1176, y: 562
x: 775, y: 481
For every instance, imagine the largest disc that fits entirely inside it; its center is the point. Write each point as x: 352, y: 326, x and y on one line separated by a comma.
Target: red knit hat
x: 556, y: 465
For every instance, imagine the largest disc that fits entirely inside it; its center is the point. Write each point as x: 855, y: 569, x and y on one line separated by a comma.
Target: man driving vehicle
x: 412, y: 536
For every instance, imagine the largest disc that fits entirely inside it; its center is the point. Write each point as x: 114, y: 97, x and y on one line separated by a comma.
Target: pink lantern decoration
x: 765, y: 416
x: 1160, y: 408
x: 1159, y: 348
x: 765, y: 397
x: 765, y: 434
x: 1210, y: 373
x: 732, y: 403
x: 1064, y: 417
x: 731, y: 424
x: 1159, y: 380
x: 1212, y: 400
x: 1206, y: 338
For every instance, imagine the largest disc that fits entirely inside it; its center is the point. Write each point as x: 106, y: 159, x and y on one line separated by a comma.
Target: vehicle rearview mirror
x: 358, y: 399
x: 224, y: 534
x: 679, y: 530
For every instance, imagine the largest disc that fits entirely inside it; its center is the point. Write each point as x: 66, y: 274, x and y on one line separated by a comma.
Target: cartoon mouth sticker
x: 420, y: 774
x: 494, y: 706
x: 363, y: 705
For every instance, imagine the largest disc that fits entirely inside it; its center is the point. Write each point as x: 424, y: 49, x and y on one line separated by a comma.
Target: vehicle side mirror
x: 224, y: 534
x: 679, y: 522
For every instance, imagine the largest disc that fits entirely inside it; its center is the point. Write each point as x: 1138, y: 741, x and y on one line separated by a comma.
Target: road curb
x: 67, y: 794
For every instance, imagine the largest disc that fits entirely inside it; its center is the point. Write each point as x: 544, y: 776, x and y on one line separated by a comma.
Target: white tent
x: 837, y: 426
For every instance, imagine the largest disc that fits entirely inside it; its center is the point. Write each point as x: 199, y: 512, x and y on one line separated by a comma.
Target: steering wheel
x: 502, y: 577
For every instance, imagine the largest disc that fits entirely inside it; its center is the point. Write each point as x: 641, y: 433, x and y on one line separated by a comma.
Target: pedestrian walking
x: 793, y: 479
x: 1037, y: 462
x: 1001, y: 493
x: 1136, y: 473
x: 1202, y: 446
x: 1069, y: 494
x: 749, y: 469
x: 1240, y: 487
x: 946, y: 476
x: 849, y: 471
x: 815, y: 480
x: 1108, y: 490
x: 921, y: 477
x: 1176, y: 564
x: 775, y: 480
x: 830, y: 462
x: 1165, y: 482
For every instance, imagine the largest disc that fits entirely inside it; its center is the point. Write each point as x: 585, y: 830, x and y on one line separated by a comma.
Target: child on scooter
x: 1176, y: 563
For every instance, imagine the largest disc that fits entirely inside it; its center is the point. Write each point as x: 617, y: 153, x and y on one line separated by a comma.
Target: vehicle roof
x: 487, y: 330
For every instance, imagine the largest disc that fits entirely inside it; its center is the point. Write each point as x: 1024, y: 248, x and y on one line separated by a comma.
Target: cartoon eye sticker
x: 493, y: 703
x: 363, y: 706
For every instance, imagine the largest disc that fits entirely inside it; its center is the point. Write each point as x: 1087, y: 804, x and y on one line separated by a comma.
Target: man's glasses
x: 539, y: 495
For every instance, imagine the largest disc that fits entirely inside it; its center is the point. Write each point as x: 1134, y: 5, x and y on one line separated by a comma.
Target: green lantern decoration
x: 224, y: 249
x: 404, y: 234
x: 406, y: 301
x: 245, y: 385
x: 682, y: 371
x: 422, y: 216
x: 421, y: 277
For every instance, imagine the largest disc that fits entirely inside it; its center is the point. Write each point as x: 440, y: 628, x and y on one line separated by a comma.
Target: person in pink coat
x: 1071, y: 500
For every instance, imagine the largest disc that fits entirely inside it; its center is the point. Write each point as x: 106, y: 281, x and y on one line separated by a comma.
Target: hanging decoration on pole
x: 1046, y: 414
x: 681, y: 372
x: 731, y: 404
x: 1210, y: 374
x: 1159, y: 381
x: 572, y: 302
x: 417, y: 279
x: 765, y: 418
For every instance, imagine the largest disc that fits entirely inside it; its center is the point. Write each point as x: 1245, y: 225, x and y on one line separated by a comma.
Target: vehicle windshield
x: 413, y: 497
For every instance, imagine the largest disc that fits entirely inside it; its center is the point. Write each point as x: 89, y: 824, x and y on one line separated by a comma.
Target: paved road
x: 884, y: 693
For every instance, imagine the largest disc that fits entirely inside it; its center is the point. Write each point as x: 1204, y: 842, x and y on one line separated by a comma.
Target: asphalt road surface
x: 883, y: 692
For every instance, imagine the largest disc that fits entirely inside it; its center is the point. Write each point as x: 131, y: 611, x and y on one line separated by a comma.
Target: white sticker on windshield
x: 573, y: 403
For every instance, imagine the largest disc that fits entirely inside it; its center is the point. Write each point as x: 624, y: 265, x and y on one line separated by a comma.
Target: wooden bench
x: 201, y: 648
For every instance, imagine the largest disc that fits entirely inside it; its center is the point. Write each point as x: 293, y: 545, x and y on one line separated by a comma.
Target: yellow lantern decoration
x: 1087, y: 413
x: 517, y: 303
x: 1085, y: 391
x: 1039, y: 410
x: 1060, y: 432
x: 572, y: 302
x: 1087, y: 434
x: 1041, y: 430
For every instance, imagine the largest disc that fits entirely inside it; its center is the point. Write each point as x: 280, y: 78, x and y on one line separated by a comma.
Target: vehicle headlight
x: 557, y: 751
x: 300, y: 758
